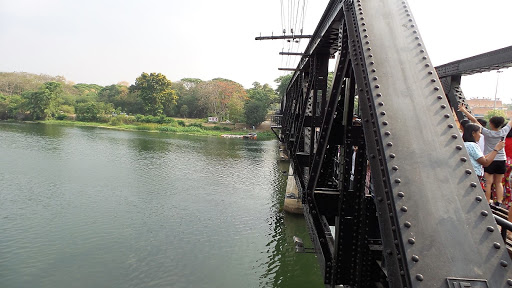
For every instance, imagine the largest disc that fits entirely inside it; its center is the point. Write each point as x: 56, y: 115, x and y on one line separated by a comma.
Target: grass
x: 192, y: 127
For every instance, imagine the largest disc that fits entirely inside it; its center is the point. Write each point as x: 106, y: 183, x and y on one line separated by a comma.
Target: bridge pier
x: 292, y: 202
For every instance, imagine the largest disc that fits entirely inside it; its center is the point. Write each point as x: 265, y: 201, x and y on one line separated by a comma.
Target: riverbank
x: 195, y: 127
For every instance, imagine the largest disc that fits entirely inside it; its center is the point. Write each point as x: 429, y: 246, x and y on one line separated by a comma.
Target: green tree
x: 263, y: 93
x: 283, y: 82
x: 184, y: 111
x: 156, y: 93
x: 495, y: 112
x: 255, y: 112
x: 261, y: 97
x: 43, y: 104
x: 11, y: 107
x: 93, y: 111
x: 187, y: 91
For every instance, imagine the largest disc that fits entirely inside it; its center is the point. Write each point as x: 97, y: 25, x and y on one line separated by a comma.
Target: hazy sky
x: 108, y: 41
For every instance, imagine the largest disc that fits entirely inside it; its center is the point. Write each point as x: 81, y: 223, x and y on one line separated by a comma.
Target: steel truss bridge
x: 412, y: 213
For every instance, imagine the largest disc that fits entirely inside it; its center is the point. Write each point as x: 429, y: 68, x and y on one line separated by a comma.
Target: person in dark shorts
x: 478, y: 159
x: 493, y: 173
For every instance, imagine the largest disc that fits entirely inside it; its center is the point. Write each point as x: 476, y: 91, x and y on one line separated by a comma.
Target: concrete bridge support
x: 292, y: 202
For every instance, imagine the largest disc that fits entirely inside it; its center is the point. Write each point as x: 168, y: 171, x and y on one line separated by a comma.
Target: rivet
x: 380, y: 199
x: 412, y: 25
x: 377, y: 86
x: 404, y: 209
x: 395, y: 168
x: 458, y: 147
x: 443, y: 106
x: 389, y: 252
x: 415, y: 258
x: 364, y: 29
x: 362, y: 18
x: 478, y: 198
x: 412, y: 241
x: 417, y: 38
x: 375, y: 78
x: 363, y: 24
x: 407, y: 224
x: 381, y: 103
x: 365, y: 36
x: 374, y: 70
x: 430, y: 72
x: 490, y: 228
x: 496, y: 245
x: 389, y: 144
x: 509, y: 282
x: 415, y: 31
x: 432, y: 80
x: 385, y: 122
x: 468, y: 171
x: 371, y: 62
x: 446, y: 115
x: 463, y: 159
x: 427, y: 65
x: 397, y: 180
x: 369, y: 48
x: 401, y: 194
x: 450, y: 125
x: 503, y: 263
x: 454, y: 136
x: 378, y: 95
x: 387, y: 133
x: 436, y: 88
x: 439, y: 97
x: 419, y: 277
x: 410, y: 20
x: 419, y: 44
x: 484, y: 213
x: 402, y: 273
x: 392, y: 155
x: 383, y: 113
x: 473, y: 184
x: 424, y: 57
x: 422, y: 51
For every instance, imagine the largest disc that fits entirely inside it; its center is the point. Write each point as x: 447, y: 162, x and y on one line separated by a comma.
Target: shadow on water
x: 34, y: 129
x: 285, y: 268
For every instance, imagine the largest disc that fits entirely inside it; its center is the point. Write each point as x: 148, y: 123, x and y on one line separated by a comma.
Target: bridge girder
x: 420, y: 219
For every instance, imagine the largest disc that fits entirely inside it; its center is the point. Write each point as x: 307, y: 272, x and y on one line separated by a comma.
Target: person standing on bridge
x: 478, y: 159
x: 495, y: 171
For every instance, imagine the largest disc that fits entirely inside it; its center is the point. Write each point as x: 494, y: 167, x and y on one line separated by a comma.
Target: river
x: 92, y: 207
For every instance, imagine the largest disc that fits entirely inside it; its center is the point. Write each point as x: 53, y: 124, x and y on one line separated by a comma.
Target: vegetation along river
x: 91, y: 207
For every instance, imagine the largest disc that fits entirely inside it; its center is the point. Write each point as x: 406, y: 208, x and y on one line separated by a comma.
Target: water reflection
x: 105, y: 208
x: 285, y: 268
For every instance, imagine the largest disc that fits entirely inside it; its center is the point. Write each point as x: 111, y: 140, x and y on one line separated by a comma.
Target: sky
x: 108, y: 41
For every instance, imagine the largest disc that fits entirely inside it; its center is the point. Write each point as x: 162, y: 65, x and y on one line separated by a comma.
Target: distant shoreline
x: 262, y: 131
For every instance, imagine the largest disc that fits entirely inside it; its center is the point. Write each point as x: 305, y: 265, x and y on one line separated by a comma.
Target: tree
x: 42, y: 104
x: 495, y: 112
x: 11, y: 107
x: 222, y: 97
x: 261, y: 97
x: 155, y: 92
x: 187, y: 92
x: 184, y: 111
x: 283, y: 82
x: 255, y: 112
x: 263, y: 93
x: 93, y: 111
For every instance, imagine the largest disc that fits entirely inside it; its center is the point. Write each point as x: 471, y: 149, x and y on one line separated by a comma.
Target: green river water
x: 91, y: 207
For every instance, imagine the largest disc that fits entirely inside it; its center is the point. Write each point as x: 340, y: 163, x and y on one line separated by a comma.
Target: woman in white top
x: 470, y: 137
x: 495, y: 171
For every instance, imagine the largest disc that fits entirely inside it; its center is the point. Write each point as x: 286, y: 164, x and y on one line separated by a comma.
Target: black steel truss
x: 395, y: 183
